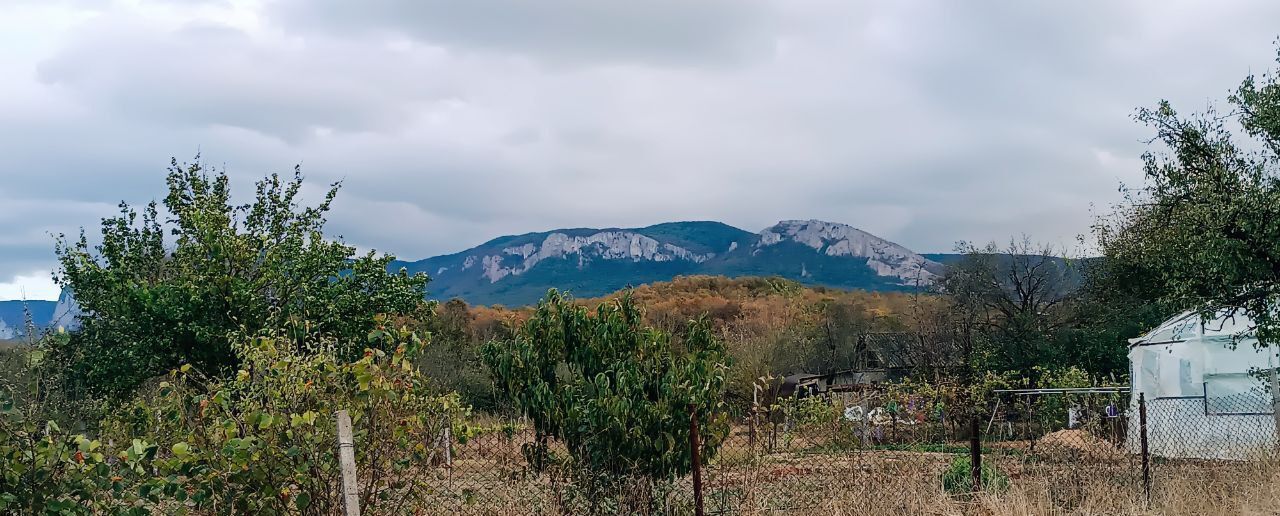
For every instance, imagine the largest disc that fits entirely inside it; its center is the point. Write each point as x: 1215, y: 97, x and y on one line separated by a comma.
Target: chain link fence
x: 880, y: 452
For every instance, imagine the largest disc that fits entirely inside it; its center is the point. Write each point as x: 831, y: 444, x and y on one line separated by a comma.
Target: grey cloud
x: 662, y: 31
x: 31, y: 226
x: 209, y: 75
x: 924, y: 123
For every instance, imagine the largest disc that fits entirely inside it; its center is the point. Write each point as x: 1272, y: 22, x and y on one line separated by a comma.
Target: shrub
x: 615, y: 391
x: 261, y: 442
x: 958, y: 477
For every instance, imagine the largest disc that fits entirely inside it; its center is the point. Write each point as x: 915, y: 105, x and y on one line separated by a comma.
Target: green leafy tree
x: 616, y: 392
x: 229, y: 272
x: 1203, y: 231
x: 1112, y: 308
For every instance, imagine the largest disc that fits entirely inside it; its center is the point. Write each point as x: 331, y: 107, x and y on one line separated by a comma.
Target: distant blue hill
x: 13, y: 316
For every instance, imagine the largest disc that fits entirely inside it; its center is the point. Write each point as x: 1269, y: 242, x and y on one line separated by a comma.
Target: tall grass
x: 1245, y: 488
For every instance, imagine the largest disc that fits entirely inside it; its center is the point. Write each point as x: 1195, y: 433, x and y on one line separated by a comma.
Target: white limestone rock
x: 886, y: 258
x: 606, y: 245
x: 66, y: 314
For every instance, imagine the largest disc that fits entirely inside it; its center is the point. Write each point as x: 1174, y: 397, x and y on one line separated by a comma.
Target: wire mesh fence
x: 878, y: 451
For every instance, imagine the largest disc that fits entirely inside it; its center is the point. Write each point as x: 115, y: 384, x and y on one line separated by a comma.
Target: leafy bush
x: 615, y: 391
x: 261, y: 442
x: 958, y: 477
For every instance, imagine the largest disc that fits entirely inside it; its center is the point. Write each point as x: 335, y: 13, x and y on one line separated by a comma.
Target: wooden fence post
x: 751, y: 422
x: 347, y: 459
x: 695, y: 455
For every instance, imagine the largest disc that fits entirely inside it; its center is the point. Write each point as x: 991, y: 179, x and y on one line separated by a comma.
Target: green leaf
x: 302, y: 501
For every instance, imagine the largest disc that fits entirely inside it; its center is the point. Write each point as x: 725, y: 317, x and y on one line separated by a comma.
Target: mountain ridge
x: 518, y: 269
x: 13, y: 316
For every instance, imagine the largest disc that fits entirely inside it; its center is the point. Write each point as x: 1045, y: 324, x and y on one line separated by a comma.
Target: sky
x: 450, y: 123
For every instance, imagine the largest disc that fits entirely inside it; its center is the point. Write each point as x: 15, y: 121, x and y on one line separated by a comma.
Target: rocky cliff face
x: 518, y: 269
x: 603, y: 245
x: 67, y: 312
x: 886, y: 258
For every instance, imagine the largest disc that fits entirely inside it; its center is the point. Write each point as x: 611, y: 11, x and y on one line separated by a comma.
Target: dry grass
x: 914, y: 488
x: 1251, y: 489
x: 488, y: 477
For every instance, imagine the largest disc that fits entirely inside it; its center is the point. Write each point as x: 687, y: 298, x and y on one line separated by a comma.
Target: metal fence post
x: 1275, y: 402
x: 975, y: 450
x: 347, y: 459
x: 1146, y: 455
x: 697, y: 460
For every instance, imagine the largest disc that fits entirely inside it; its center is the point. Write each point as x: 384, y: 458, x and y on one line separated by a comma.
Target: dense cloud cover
x: 453, y: 122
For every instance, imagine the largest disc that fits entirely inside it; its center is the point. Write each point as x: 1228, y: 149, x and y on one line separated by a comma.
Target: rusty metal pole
x: 694, y: 446
x: 1146, y: 454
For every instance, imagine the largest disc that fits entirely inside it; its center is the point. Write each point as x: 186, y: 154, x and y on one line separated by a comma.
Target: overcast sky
x: 453, y: 122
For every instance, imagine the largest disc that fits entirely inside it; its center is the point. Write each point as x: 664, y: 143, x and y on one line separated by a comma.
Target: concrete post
x: 347, y: 460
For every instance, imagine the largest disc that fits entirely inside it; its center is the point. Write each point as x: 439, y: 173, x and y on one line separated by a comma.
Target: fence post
x: 975, y: 450
x: 695, y: 455
x: 751, y: 422
x: 347, y: 459
x: 773, y: 430
x: 1146, y: 455
x: 1275, y: 402
x: 445, y: 444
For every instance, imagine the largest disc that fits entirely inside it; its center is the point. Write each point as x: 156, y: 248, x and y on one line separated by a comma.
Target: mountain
x: 67, y: 311
x: 13, y: 316
x: 944, y: 258
x: 518, y: 270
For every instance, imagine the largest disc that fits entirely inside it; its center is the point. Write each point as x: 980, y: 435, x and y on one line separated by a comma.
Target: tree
x: 229, y: 273
x: 1114, y: 304
x: 1205, y: 225
x: 1011, y: 304
x: 616, y: 392
x: 453, y: 360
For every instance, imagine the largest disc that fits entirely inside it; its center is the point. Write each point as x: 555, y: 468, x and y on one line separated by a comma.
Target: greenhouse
x: 1208, y: 386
